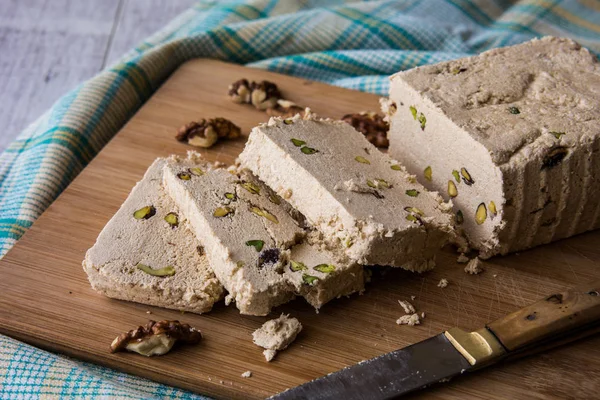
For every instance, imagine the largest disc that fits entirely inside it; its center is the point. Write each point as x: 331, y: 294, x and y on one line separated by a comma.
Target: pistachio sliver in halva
x: 166, y: 271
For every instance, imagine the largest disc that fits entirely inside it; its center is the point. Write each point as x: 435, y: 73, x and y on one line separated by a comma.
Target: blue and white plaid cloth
x: 350, y: 44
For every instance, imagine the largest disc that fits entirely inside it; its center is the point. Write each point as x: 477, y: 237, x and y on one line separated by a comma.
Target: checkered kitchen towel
x: 351, y: 44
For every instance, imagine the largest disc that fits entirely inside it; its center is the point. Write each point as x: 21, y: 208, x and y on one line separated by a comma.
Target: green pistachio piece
x: 264, y: 213
x: 172, y: 219
x: 459, y: 217
x: 383, y: 183
x: 412, y: 192
x: 230, y: 196
x: 273, y: 198
x: 308, y: 150
x: 288, y: 121
x: 362, y: 160
x: 324, y: 268
x: 396, y: 167
x: 196, y: 171
x: 414, y: 210
x: 413, y: 111
x: 557, y: 134
x: 456, y: 175
x: 514, y: 110
x: 251, y: 187
x: 422, y: 121
x: 298, y: 142
x: 238, y: 265
x: 144, y: 212
x: 452, y: 191
x: 466, y: 176
x: 480, y: 214
x: 492, y: 207
x: 258, y: 244
x: 297, y: 266
x: 184, y: 176
x: 166, y: 271
x: 222, y: 212
x: 309, y: 279
x: 370, y: 183
x: 414, y: 219
x: 428, y: 173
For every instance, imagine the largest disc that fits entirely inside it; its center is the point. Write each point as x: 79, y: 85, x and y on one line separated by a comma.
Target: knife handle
x: 558, y: 314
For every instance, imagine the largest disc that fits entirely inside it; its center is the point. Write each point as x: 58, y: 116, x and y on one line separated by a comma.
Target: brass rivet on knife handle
x: 479, y: 347
x: 557, y: 314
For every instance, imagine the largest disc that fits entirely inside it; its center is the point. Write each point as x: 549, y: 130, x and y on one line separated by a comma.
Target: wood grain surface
x: 45, y: 298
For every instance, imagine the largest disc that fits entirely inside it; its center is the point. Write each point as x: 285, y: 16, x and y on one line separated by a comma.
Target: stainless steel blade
x: 387, y: 376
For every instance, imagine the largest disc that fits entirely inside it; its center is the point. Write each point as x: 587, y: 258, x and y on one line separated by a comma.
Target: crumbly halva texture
x: 409, y: 319
x: 406, y: 306
x: 258, y: 245
x: 247, y: 374
x: 140, y: 256
x: 474, y: 267
x: 462, y: 259
x: 511, y: 136
x: 276, y: 335
x: 442, y: 283
x: 365, y: 203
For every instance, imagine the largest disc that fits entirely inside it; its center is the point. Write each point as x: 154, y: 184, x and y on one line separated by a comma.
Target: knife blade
x: 557, y: 319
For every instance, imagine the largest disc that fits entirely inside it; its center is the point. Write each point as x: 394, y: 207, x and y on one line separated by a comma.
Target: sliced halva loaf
x: 511, y: 135
x: 250, y: 236
x: 147, y: 254
x: 360, y: 199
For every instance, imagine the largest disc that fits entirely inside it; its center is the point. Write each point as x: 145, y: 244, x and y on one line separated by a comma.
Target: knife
x: 558, y: 319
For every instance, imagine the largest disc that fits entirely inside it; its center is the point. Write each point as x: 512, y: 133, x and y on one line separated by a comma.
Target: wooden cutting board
x: 45, y: 298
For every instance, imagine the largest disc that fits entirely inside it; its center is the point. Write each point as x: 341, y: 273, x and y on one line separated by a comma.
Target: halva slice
x: 319, y: 275
x: 250, y: 235
x: 276, y: 335
x: 511, y: 136
x: 147, y: 254
x: 360, y: 199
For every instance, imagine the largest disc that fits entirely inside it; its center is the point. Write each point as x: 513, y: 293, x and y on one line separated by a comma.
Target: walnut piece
x: 264, y: 94
x: 225, y: 128
x: 370, y: 124
x: 285, y: 109
x: 206, y: 132
x: 239, y: 91
x: 155, y: 338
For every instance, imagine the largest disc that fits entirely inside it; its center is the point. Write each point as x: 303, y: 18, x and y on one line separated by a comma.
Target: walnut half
x: 206, y: 132
x: 155, y: 338
x: 370, y: 124
x: 262, y: 95
x: 239, y: 91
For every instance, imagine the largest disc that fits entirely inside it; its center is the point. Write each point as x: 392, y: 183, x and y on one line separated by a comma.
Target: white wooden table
x: 48, y: 47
